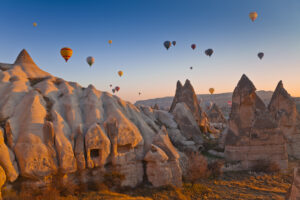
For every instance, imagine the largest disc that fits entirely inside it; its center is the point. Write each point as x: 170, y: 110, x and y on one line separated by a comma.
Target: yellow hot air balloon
x: 253, y: 16
x: 120, y: 73
x: 66, y: 53
x: 109, y: 41
x: 211, y: 90
x: 34, y: 24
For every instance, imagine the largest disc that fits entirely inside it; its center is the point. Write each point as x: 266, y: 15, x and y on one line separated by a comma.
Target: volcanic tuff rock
x: 284, y: 111
x: 2, y: 179
x: 253, y: 135
x: 186, y: 94
x: 294, y: 193
x: 53, y: 126
x: 215, y: 115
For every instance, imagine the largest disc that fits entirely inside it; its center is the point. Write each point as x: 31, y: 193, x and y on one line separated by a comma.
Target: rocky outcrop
x: 54, y: 126
x: 186, y: 94
x: 2, y: 180
x: 215, y: 115
x: 253, y: 135
x: 294, y: 193
x: 284, y: 111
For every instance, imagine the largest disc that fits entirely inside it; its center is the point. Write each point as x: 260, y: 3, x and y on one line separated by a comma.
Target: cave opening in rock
x: 95, y: 153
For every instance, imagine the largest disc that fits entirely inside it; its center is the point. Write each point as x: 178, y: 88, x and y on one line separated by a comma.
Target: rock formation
x: 253, y: 135
x: 2, y: 180
x: 284, y: 111
x: 215, y: 115
x: 52, y: 126
x: 186, y: 94
x: 294, y: 193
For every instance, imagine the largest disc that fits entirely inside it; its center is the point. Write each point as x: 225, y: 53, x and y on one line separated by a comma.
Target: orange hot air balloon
x: 253, y: 16
x: 34, y: 24
x: 109, y: 41
x: 120, y: 73
x: 211, y: 90
x: 66, y: 53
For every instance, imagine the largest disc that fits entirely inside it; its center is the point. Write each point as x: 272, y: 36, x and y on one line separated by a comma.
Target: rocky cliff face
x: 51, y: 126
x: 215, y: 115
x: 253, y: 135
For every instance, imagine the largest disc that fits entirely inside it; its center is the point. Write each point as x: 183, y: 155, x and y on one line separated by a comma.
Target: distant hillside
x: 220, y: 99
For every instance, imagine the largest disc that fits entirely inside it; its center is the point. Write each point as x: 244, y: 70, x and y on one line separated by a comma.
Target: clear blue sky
x: 138, y: 29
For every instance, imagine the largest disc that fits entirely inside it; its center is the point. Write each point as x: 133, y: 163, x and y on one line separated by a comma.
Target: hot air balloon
x: 34, y: 24
x: 110, y: 85
x: 174, y: 43
x: 229, y: 103
x: 260, y: 55
x: 109, y: 41
x: 113, y: 90
x: 209, y: 52
x: 167, y: 44
x: 120, y: 73
x: 117, y: 88
x: 211, y: 90
x: 191, y: 68
x: 66, y: 53
x: 253, y: 16
x: 208, y: 105
x: 140, y: 93
x: 90, y: 60
x: 193, y: 46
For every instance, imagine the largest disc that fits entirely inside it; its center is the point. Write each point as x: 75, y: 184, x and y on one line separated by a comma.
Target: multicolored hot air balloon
x: 211, y: 90
x: 209, y: 52
x: 113, y: 90
x: 174, y: 43
x: 167, y: 44
x: 260, y: 55
x: 253, y: 16
x: 90, y: 60
x: 120, y: 73
x: 34, y: 24
x: 109, y: 41
x: 66, y: 53
x: 117, y: 88
x: 193, y: 46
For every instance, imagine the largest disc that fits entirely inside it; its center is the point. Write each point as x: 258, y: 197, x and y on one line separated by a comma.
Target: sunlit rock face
x: 54, y: 127
x: 283, y: 110
x: 253, y: 135
x: 294, y: 193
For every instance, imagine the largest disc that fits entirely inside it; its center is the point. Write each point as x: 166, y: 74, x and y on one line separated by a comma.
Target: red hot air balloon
x: 193, y: 46
x: 117, y: 88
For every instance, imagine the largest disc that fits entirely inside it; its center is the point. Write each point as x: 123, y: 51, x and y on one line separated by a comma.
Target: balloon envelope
x: 209, y: 52
x: 120, y: 73
x: 117, y: 88
x: 174, y: 43
x: 193, y: 46
x: 90, y: 60
x: 253, y: 16
x: 191, y: 68
x: 211, y: 90
x: 34, y: 24
x: 109, y: 41
x: 167, y: 44
x: 66, y: 53
x: 113, y: 90
x: 260, y: 55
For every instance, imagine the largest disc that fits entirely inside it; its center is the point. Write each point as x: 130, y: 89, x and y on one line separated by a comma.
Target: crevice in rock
x: 34, y: 81
x: 49, y: 105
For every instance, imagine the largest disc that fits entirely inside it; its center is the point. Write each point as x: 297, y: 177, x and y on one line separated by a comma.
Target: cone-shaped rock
x: 215, y: 115
x: 24, y: 57
x: 253, y: 135
x: 186, y: 94
x: 283, y: 109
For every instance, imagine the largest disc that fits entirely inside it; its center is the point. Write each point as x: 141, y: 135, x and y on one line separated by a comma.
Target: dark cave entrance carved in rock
x: 95, y: 153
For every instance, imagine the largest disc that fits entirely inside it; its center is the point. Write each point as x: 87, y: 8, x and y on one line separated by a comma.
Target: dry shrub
x: 197, y: 167
x: 39, y: 194
x: 266, y: 166
x: 215, y: 168
x: 113, y: 179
